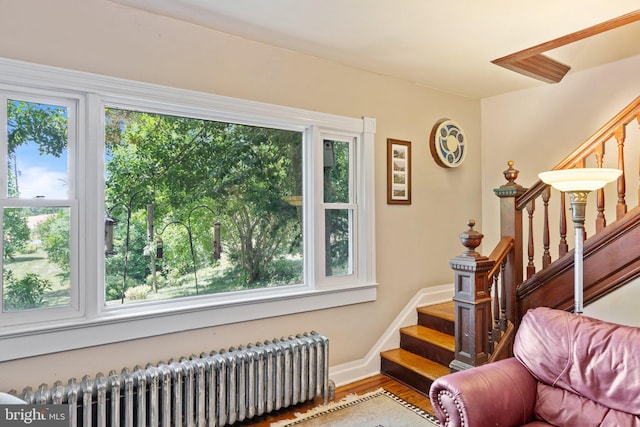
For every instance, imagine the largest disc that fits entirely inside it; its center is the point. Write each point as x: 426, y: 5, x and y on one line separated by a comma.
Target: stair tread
x: 445, y: 310
x: 423, y: 367
x: 432, y: 336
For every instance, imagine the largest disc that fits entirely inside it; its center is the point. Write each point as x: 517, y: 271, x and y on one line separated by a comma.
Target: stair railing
x: 480, y: 328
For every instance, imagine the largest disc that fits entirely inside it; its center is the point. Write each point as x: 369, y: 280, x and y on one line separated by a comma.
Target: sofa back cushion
x: 586, y: 356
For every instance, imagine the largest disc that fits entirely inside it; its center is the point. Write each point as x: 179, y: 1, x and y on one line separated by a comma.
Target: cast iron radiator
x: 214, y: 389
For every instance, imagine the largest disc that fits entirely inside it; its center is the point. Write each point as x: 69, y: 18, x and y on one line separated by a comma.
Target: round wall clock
x: 448, y: 144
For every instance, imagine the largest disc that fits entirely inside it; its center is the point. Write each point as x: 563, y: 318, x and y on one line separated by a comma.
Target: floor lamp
x: 578, y: 183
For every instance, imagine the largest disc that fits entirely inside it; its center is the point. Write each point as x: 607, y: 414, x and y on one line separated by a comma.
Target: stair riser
x: 406, y: 376
x: 426, y: 349
x: 436, y: 323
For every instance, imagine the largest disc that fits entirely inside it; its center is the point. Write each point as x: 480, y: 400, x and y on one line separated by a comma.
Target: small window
x: 339, y: 207
x: 37, y: 267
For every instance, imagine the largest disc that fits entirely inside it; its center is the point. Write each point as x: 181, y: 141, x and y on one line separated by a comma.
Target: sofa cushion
x: 582, y: 355
x: 563, y: 408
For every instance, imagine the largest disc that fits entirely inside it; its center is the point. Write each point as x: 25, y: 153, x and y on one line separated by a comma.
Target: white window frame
x: 73, y: 104
x: 91, y: 323
x: 351, y: 205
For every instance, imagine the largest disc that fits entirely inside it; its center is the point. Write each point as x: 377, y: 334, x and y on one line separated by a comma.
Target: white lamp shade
x: 579, y: 179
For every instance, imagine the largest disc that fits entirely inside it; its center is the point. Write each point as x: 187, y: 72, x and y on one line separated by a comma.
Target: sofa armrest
x: 10, y: 399
x: 502, y: 393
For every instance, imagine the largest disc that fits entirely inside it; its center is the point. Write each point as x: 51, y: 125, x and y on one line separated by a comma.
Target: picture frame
x: 398, y: 172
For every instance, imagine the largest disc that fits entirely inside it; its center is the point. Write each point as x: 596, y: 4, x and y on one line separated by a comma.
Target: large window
x: 198, y: 207
x: 167, y: 210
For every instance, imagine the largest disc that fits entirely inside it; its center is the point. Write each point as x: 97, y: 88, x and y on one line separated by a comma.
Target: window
x: 168, y: 209
x: 199, y: 207
x: 339, y: 207
x: 39, y: 201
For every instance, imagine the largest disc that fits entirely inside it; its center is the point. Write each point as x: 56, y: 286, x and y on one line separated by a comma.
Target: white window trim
x: 98, y: 325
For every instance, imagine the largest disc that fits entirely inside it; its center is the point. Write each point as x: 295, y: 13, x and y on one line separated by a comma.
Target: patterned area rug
x: 379, y: 408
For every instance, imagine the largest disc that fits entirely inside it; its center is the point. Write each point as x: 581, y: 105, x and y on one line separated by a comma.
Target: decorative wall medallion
x: 448, y: 144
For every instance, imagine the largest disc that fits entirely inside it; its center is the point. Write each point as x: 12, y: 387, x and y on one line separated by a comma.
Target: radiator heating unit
x: 216, y: 389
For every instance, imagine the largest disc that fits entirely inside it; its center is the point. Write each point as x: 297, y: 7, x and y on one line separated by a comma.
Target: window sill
x: 115, y: 325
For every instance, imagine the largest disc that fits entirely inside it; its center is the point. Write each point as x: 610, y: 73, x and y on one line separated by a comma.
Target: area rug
x: 379, y: 408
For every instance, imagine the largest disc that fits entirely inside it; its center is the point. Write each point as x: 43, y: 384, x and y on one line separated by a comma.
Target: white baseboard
x: 370, y: 364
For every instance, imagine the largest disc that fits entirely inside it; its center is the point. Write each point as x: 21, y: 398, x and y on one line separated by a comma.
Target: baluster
x: 563, y: 247
x: 621, y: 207
x: 495, y: 333
x: 546, y: 255
x: 531, y: 268
x: 503, y: 298
x: 492, y: 332
x: 601, y: 221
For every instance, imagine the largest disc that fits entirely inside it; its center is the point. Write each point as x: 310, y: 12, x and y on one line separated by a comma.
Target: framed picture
x: 398, y: 172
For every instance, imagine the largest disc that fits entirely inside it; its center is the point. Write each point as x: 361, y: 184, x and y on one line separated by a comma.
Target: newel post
x: 472, y: 303
x: 511, y: 226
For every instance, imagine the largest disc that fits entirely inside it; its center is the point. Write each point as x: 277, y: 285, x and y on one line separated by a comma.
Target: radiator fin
x: 215, y: 389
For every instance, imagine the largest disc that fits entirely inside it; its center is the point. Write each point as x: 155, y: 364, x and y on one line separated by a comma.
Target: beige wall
x: 414, y: 243
x: 537, y: 128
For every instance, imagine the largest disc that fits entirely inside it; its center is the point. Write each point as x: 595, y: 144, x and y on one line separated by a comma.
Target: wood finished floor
x: 359, y: 387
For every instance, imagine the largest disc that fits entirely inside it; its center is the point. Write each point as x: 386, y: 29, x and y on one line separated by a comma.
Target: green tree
x: 24, y: 293
x: 54, y: 234
x: 16, y: 233
x: 241, y: 173
x: 257, y: 173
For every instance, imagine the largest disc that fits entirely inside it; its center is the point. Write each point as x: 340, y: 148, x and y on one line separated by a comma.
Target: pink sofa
x: 568, y: 370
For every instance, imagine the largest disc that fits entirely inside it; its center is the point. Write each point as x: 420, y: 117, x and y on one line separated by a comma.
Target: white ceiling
x: 447, y: 45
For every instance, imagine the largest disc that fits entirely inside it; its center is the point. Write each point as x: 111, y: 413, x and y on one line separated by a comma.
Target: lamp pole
x: 578, y: 200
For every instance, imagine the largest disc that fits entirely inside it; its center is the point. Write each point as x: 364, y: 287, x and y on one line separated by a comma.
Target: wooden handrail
x: 606, y: 132
x: 499, y: 254
x: 504, y: 348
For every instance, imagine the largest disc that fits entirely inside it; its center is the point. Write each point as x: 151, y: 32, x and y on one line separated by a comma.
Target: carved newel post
x: 472, y: 303
x: 511, y: 227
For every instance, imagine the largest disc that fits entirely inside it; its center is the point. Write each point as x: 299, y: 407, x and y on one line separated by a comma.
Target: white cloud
x: 38, y: 181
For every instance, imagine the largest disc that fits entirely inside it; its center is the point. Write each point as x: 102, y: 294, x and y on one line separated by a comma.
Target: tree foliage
x: 16, y: 233
x: 54, y: 234
x: 24, y: 293
x: 198, y: 172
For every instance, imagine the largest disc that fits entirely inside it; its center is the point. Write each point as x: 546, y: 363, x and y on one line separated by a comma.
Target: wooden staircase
x: 498, y: 289
x: 426, y: 349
